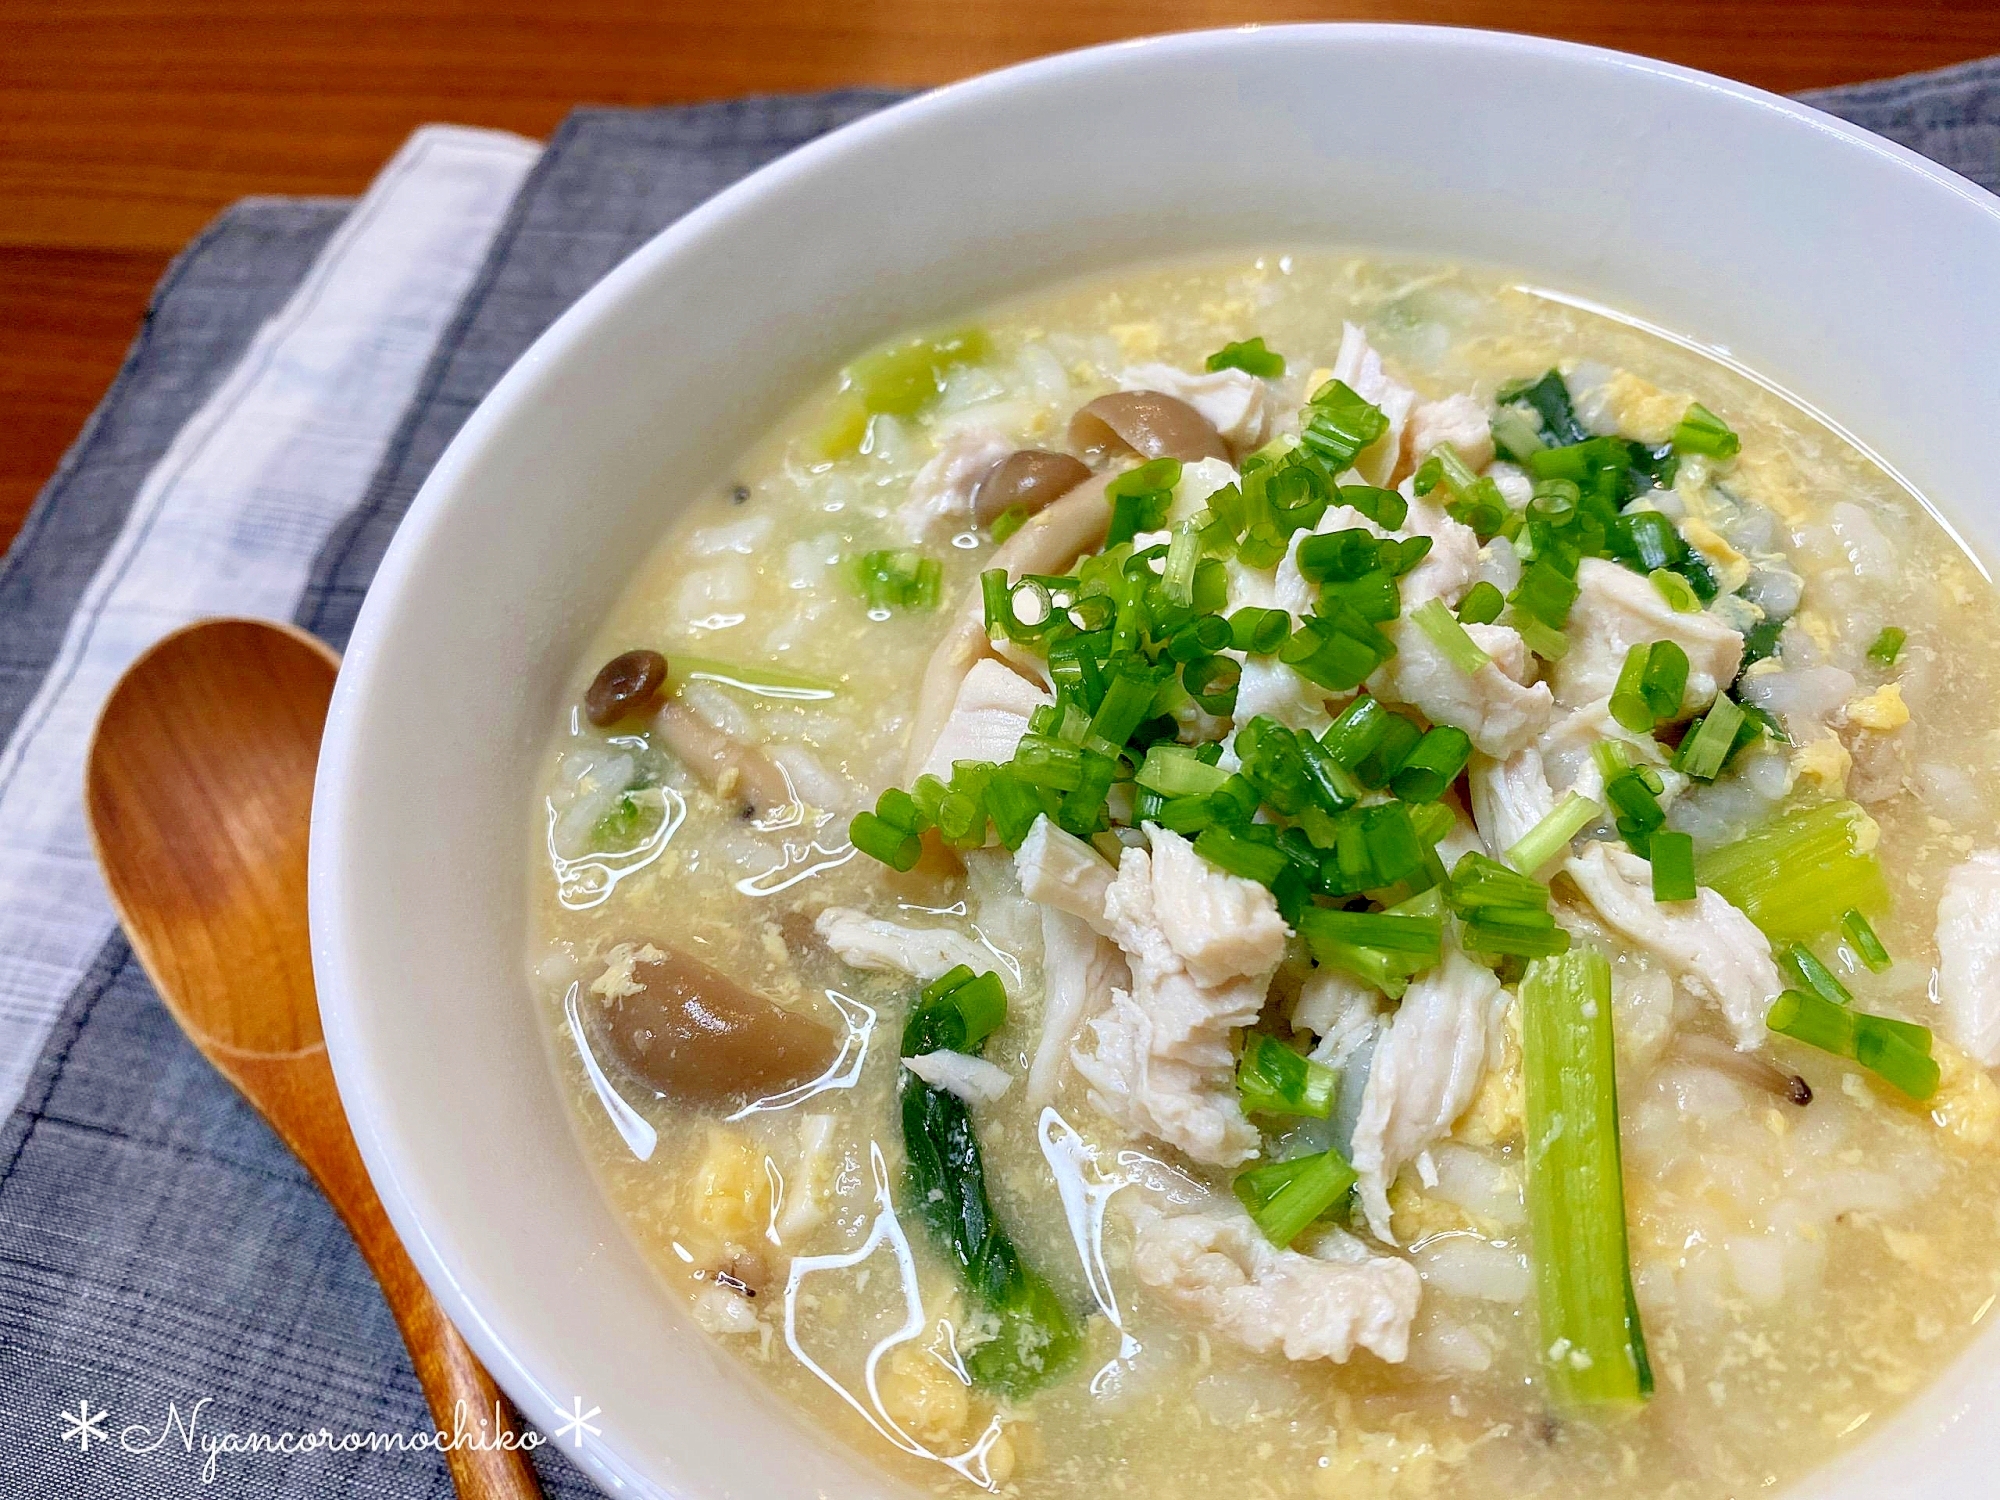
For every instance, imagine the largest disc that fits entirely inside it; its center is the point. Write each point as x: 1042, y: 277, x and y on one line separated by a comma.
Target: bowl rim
x: 389, y: 1160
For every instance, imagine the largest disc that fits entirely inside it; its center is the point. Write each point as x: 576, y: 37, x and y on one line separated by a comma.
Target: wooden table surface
x: 126, y: 124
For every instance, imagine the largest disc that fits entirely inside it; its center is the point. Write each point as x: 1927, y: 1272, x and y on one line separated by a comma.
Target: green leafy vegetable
x: 1036, y: 1339
x: 1801, y: 873
x: 1593, y: 1348
x: 1887, y: 646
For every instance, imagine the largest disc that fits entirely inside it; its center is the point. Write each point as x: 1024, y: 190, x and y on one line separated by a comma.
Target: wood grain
x: 126, y: 124
x: 209, y: 881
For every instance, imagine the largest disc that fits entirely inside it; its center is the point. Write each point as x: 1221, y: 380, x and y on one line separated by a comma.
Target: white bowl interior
x: 1835, y: 264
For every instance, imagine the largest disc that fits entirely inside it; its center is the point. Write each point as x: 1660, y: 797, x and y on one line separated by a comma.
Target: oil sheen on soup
x: 1291, y: 876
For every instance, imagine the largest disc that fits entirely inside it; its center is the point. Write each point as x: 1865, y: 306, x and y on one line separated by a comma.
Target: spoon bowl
x: 198, y: 790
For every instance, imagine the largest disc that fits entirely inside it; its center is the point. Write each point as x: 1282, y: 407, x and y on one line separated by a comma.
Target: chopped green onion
x: 1009, y: 521
x: 1813, y: 974
x: 1895, y: 1051
x: 1013, y: 805
x: 1183, y: 557
x: 1545, y: 592
x: 956, y: 1012
x: 1592, y: 1344
x: 1628, y: 699
x: 1357, y: 731
x: 1373, y: 597
x: 1045, y: 761
x: 1201, y: 636
x: 1702, y: 431
x: 1672, y: 854
x: 1173, y: 771
x: 899, y: 810
x: 1227, y: 849
x: 1336, y: 650
x: 1286, y: 1196
x: 1800, y: 874
x: 1339, y: 424
x: 899, y: 579
x: 1386, y: 508
x: 1861, y: 937
x: 1128, y: 699
x: 1334, y: 789
x: 1433, y: 765
x: 1373, y: 847
x: 1385, y: 948
x: 1212, y: 681
x: 1888, y: 646
x: 1481, y: 605
x: 1259, y: 632
x: 1475, y: 501
x: 1449, y: 636
x: 1514, y: 435
x: 1274, y: 765
x: 1249, y: 356
x: 1338, y: 556
x: 1708, y: 745
x: 1081, y: 811
x: 1399, y: 737
x: 1633, y: 795
x: 1141, y: 499
x: 880, y: 839
x: 1276, y: 1080
x: 1677, y: 591
x: 1552, y: 835
x: 1666, y: 680
x: 1546, y: 642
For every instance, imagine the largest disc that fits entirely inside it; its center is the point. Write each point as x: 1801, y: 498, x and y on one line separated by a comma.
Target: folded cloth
x: 157, y: 1246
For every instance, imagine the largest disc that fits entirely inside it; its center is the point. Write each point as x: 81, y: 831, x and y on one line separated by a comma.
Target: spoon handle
x: 297, y: 1095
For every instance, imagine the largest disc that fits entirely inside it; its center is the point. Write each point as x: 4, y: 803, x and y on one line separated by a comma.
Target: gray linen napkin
x: 157, y: 1245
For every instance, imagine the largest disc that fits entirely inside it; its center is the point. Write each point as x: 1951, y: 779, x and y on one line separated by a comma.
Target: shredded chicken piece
x: 1058, y: 869
x: 1509, y: 797
x: 1202, y: 946
x: 940, y: 499
x: 1617, y: 609
x: 987, y: 719
x: 1080, y: 969
x: 1338, y: 1009
x: 1491, y: 705
x: 1215, y: 1264
x: 1460, y: 421
x: 1968, y: 939
x: 1428, y: 1066
x: 866, y: 942
x: 1709, y: 945
x: 973, y: 1079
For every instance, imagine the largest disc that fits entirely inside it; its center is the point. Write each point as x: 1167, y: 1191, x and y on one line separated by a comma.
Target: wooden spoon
x: 199, y: 788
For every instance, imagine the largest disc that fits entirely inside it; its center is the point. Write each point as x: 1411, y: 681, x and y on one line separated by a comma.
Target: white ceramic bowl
x: 1849, y: 270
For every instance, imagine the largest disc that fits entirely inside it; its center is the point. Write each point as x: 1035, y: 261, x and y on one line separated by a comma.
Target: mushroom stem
x: 1744, y: 1067
x: 726, y: 765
